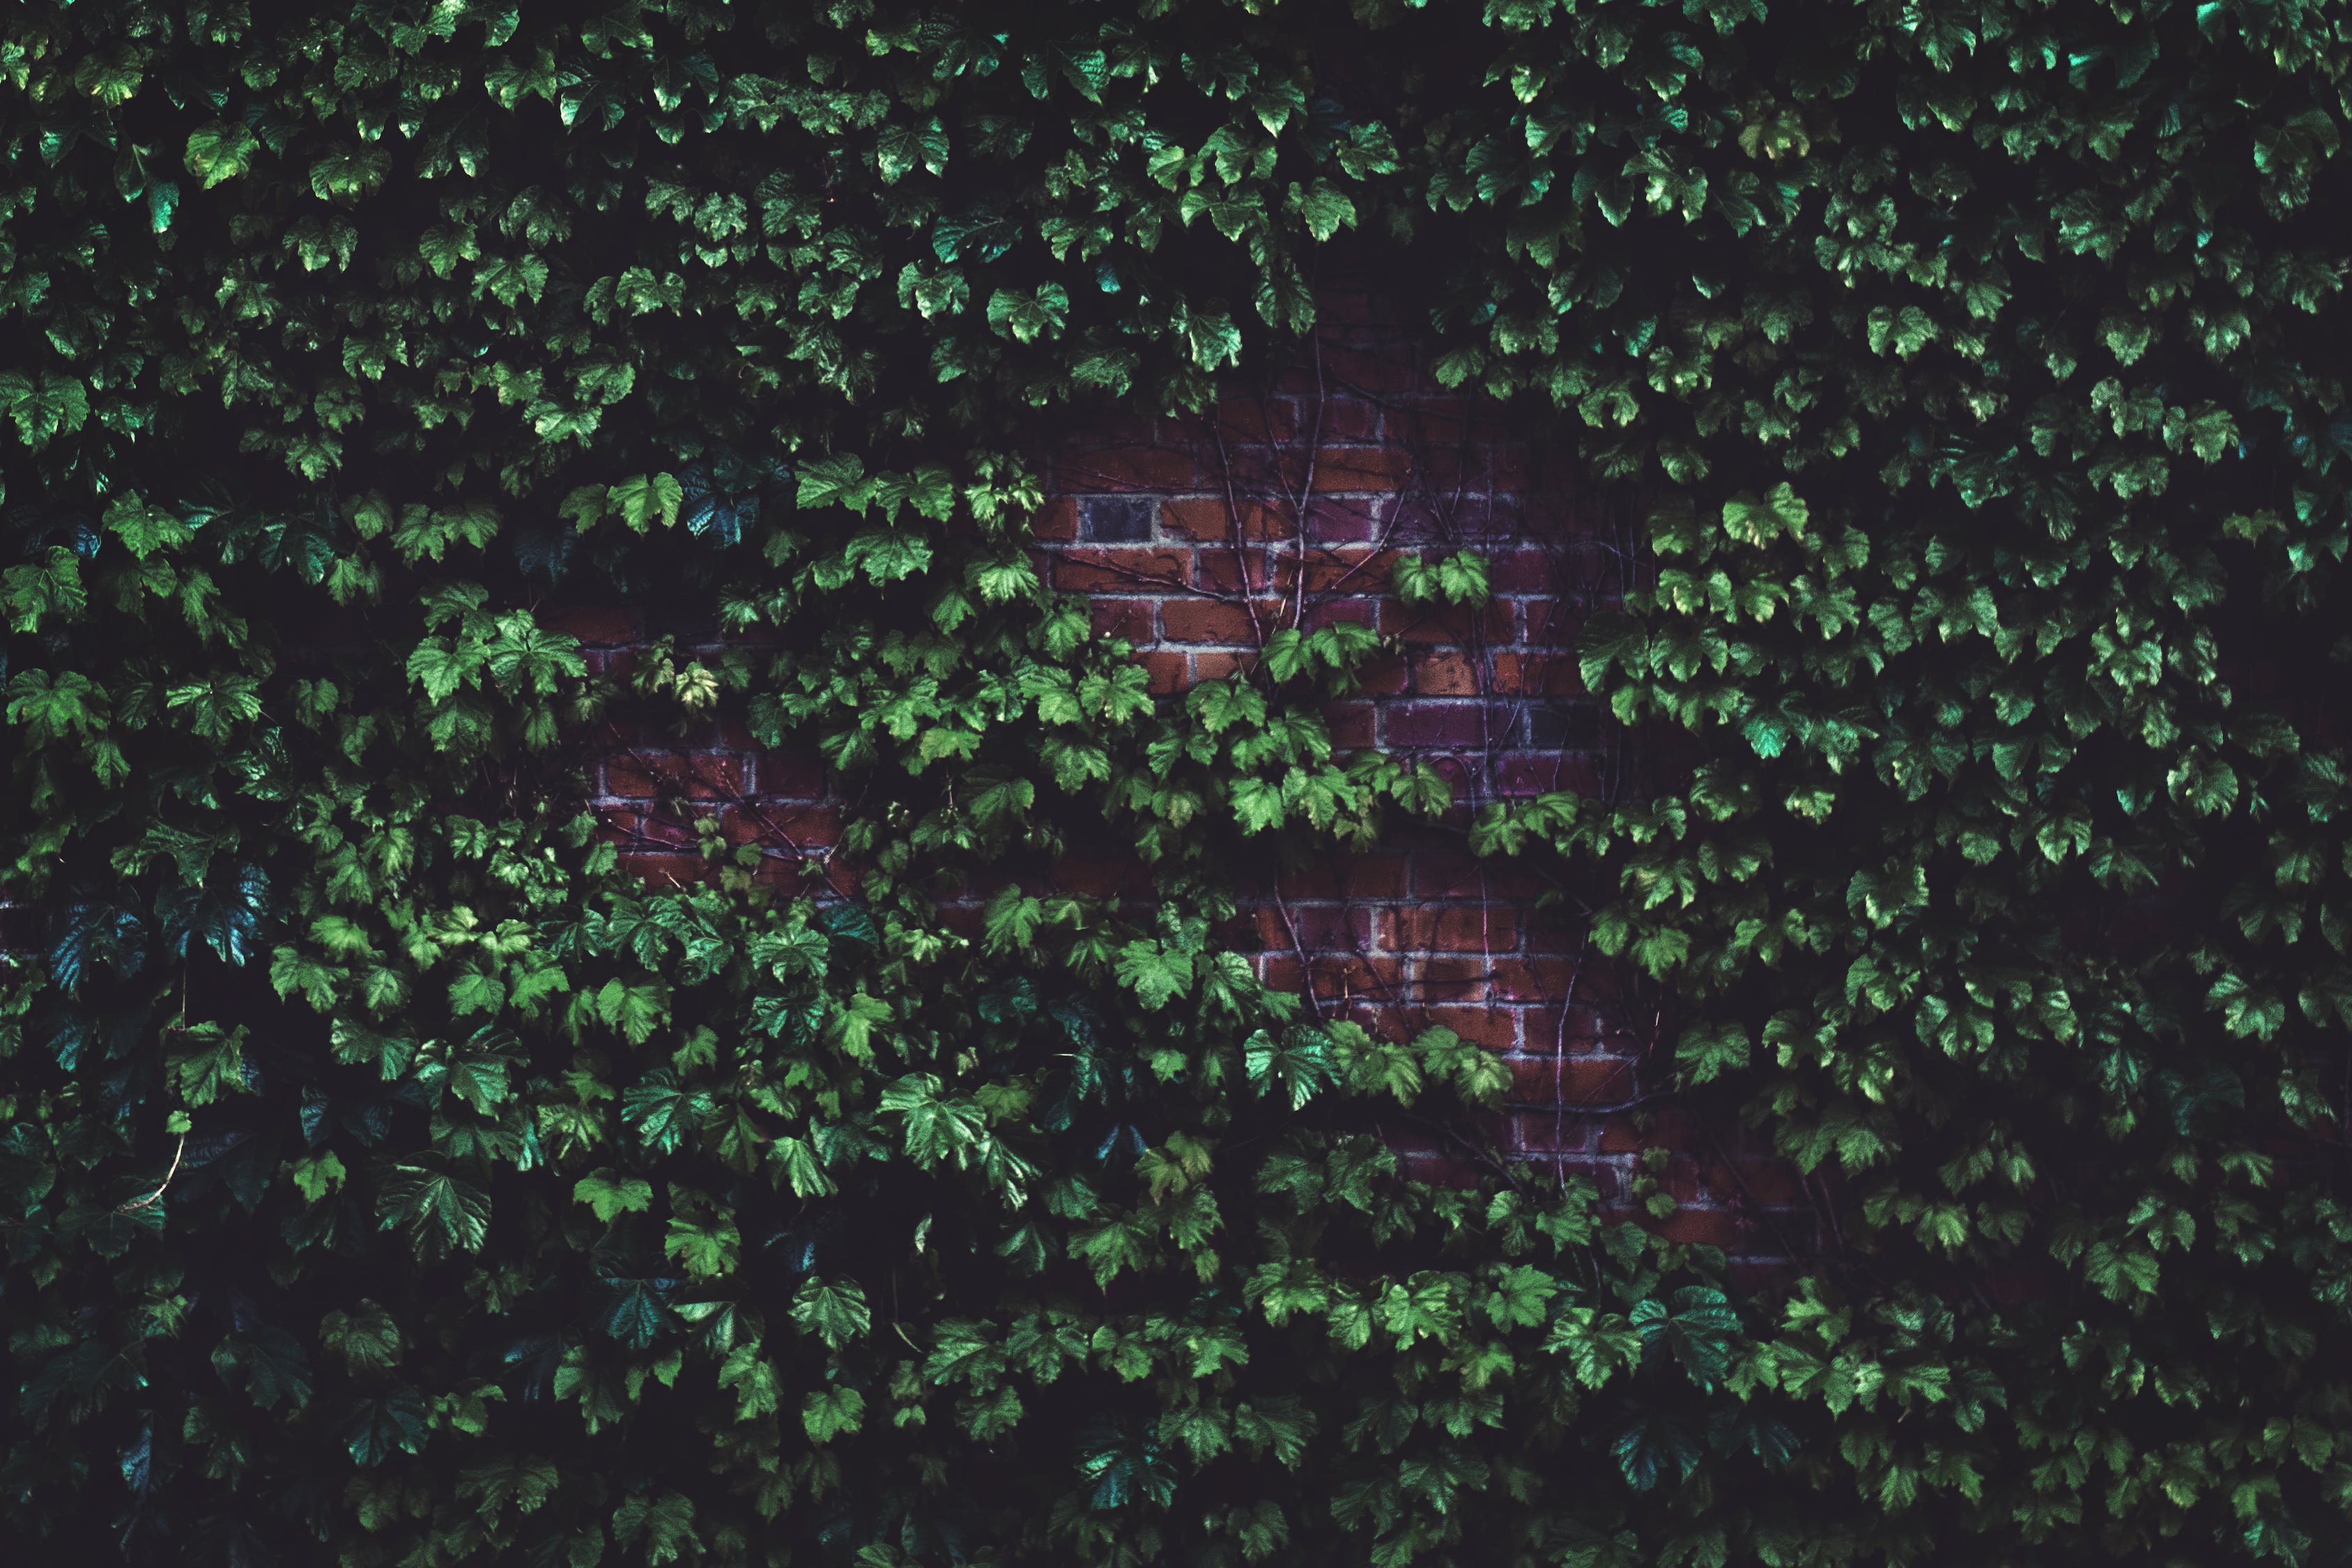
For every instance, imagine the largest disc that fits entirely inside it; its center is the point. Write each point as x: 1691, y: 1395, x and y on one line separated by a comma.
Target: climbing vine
x: 389, y: 1173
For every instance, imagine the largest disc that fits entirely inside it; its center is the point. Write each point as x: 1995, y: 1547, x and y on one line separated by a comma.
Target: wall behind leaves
x: 390, y: 1174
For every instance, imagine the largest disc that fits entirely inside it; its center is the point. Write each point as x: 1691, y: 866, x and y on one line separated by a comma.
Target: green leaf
x: 828, y: 1413
x: 612, y: 1194
x: 1155, y: 973
x: 219, y: 151
x: 645, y: 498
x: 439, y: 1212
x: 834, y: 1312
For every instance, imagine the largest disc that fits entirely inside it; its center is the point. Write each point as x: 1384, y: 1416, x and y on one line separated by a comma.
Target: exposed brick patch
x: 1289, y: 505
x: 1197, y: 538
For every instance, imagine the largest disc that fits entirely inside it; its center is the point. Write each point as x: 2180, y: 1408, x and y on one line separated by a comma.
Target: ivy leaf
x: 661, y: 1112
x: 439, y: 1212
x: 704, y: 1247
x: 1157, y: 975
x: 612, y: 1194
x: 1752, y: 520
x: 377, y: 1428
x: 636, y: 1309
x: 225, y: 910
x: 366, y: 1339
x: 91, y: 932
x: 645, y: 498
x: 1699, y: 1329
x: 220, y: 152
x: 836, y: 1314
x: 836, y: 481
x: 44, y: 406
x: 1294, y: 1066
x: 267, y: 1364
x: 1123, y: 1465
x: 1654, y: 1444
x: 828, y: 1413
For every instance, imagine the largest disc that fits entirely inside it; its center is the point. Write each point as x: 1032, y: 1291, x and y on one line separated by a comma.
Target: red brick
x: 1668, y: 1128
x: 1334, y: 612
x: 1573, y: 1080
x: 783, y: 826
x: 1338, y: 976
x: 1433, y: 724
x: 1218, y: 571
x: 664, y: 868
x: 1445, y: 672
x: 1258, y: 420
x: 1384, y: 675
x: 1534, y: 980
x: 1321, y: 928
x: 1058, y: 519
x: 1493, y: 621
x: 1546, y: 675
x: 642, y: 777
x: 1338, y: 468
x: 1503, y: 978
x: 1619, y: 1136
x: 1350, y: 419
x: 1548, y: 773
x: 1771, y: 1183
x: 1700, y: 1227
x: 1458, y: 928
x: 1496, y: 1028
x: 1549, y: 1027
x: 1216, y: 621
x: 1112, y: 569
x: 1167, y: 673
x: 1454, y: 980
x: 1692, y: 1180
x: 1128, y: 618
x: 1210, y: 519
x: 659, y: 828
x: 1217, y: 666
x: 1356, y: 569
x: 1351, y: 724
x: 1350, y: 519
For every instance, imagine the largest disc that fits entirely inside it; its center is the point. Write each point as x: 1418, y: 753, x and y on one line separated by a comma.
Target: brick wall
x: 1199, y: 538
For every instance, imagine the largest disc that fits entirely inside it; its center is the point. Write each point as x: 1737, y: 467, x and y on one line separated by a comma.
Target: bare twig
x: 152, y: 1199
x: 1306, y: 965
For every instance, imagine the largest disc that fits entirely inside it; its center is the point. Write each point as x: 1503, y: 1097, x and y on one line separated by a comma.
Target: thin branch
x: 1306, y: 965
x: 152, y: 1199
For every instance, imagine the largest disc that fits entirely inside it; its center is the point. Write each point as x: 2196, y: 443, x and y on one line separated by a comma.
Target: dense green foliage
x: 385, y: 1169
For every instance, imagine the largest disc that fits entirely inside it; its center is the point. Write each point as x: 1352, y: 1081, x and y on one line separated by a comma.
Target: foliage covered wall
x: 390, y: 1176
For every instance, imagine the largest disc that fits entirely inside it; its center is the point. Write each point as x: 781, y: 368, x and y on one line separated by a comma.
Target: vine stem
x: 1306, y: 969
x: 152, y: 1199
